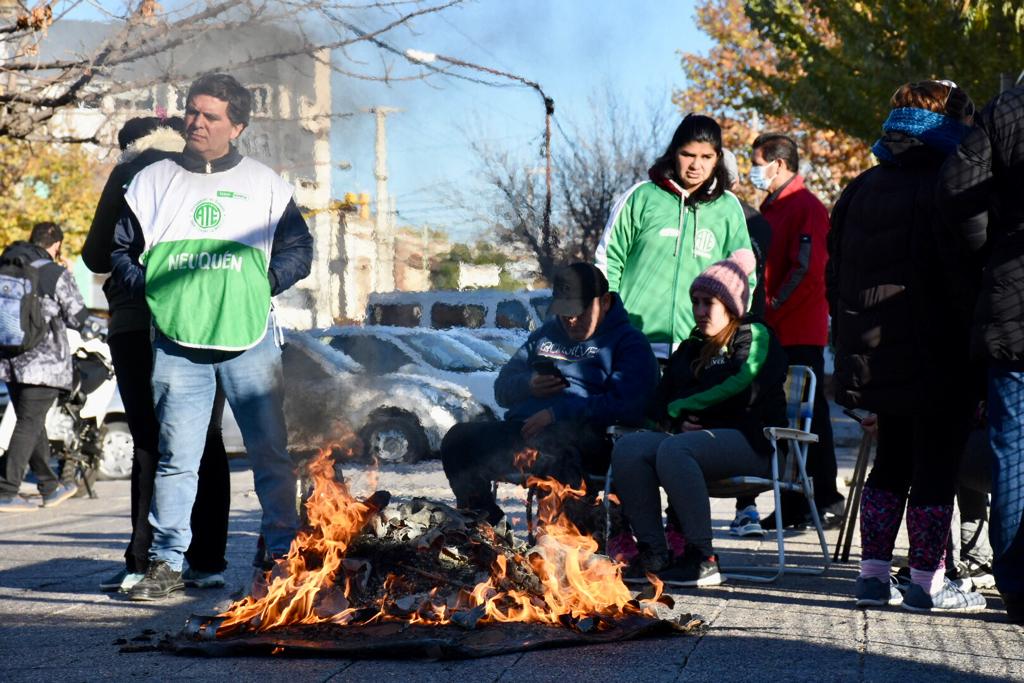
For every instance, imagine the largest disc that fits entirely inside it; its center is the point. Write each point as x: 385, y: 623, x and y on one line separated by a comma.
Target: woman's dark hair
x: 225, y: 87
x: 695, y: 128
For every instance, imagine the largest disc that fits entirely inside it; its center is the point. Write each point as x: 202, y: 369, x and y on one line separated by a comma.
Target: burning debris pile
x: 424, y: 579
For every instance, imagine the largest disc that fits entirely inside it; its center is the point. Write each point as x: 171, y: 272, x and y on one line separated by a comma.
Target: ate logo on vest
x: 206, y: 215
x: 704, y: 243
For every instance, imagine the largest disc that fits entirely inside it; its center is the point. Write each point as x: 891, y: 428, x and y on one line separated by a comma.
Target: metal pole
x: 384, y: 276
x: 549, y: 110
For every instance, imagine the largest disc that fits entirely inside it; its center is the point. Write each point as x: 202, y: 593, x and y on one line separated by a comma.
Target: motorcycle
x: 86, y: 426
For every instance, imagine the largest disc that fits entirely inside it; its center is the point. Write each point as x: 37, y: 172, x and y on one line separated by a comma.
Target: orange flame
x: 576, y: 581
x: 525, y: 459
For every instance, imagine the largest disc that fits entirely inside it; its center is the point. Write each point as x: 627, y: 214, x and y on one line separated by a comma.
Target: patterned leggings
x: 917, y: 458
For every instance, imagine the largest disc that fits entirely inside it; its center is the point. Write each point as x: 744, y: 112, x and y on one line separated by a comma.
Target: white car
x: 430, y: 353
x: 398, y: 417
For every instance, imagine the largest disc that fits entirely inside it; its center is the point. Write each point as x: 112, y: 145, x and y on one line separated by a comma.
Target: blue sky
x: 572, y: 48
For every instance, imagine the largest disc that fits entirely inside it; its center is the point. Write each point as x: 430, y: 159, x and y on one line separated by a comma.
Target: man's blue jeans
x: 184, y: 383
x: 1006, y: 434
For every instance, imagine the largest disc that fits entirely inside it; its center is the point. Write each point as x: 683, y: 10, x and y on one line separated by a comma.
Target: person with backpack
x: 39, y: 300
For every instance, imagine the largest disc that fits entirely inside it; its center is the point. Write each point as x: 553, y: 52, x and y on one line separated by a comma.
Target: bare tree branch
x: 35, y: 88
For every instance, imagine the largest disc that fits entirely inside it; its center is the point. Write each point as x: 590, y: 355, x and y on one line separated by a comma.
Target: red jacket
x: 795, y: 269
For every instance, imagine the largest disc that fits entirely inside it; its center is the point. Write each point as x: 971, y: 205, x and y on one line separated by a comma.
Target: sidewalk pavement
x: 56, y: 625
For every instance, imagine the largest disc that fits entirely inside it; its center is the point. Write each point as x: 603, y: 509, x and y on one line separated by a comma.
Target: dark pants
x: 1006, y: 436
x: 29, y: 446
x: 975, y: 483
x: 475, y: 454
x: 920, y: 456
x: 132, y: 356
x: 821, y: 457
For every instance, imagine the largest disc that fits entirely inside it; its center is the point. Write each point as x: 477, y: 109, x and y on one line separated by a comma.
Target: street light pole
x: 549, y: 110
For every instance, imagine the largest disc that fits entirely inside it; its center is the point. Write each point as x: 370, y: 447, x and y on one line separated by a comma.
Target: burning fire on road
x: 431, y: 579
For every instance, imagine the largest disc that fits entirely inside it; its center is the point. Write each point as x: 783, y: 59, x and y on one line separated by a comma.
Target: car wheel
x: 116, y: 449
x: 391, y: 439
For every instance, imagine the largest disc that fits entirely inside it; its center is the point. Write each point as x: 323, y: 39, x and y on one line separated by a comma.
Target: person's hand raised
x: 543, y: 386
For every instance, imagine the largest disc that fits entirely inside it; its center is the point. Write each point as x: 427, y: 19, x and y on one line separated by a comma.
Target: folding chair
x: 789, y: 473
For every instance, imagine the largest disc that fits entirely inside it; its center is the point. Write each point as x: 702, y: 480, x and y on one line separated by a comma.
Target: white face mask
x: 758, y: 178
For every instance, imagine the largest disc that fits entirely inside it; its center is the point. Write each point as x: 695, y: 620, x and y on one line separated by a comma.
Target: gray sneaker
x: 876, y: 592
x: 950, y: 598
x: 197, y: 579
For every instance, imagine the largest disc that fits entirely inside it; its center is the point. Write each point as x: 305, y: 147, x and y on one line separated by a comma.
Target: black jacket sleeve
x: 129, y: 244
x: 99, y: 241
x: 965, y: 185
x: 291, y: 254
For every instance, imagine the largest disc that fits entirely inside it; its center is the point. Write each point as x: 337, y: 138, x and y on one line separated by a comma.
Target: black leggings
x: 132, y: 356
x: 919, y: 454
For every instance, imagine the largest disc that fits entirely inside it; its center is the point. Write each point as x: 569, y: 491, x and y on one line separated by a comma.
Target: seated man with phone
x: 586, y: 368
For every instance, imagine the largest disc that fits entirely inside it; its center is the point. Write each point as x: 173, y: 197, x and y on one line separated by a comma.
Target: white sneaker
x: 747, y: 523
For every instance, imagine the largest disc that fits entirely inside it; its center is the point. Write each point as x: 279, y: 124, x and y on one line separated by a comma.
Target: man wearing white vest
x: 208, y: 237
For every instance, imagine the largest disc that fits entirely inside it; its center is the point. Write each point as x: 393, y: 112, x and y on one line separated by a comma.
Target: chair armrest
x: 616, y: 431
x: 787, y: 433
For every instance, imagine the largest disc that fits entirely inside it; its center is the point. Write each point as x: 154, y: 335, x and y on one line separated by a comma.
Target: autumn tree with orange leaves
x: 730, y: 83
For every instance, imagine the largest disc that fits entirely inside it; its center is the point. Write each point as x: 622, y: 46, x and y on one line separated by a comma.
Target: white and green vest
x: 207, y: 250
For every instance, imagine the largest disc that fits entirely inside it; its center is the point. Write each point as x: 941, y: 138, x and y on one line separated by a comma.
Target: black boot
x: 159, y: 582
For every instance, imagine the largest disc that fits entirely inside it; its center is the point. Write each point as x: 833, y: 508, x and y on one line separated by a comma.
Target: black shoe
x: 1014, y: 603
x: 693, y: 570
x: 159, y: 582
x: 647, y: 562
x: 789, y: 521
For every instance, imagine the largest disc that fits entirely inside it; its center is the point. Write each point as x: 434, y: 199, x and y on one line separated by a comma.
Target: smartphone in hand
x: 854, y: 415
x: 546, y: 366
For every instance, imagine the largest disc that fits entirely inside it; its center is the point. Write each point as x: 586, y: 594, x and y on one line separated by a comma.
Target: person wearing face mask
x: 796, y: 308
x: 586, y: 368
x: 902, y: 288
x: 721, y: 388
x: 663, y: 232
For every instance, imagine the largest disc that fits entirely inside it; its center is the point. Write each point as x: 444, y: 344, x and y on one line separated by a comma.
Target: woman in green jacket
x: 664, y: 232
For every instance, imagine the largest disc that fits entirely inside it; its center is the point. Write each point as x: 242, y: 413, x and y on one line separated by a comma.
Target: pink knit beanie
x: 727, y: 281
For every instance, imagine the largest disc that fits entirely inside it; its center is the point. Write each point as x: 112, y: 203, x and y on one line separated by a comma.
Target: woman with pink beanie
x: 722, y: 386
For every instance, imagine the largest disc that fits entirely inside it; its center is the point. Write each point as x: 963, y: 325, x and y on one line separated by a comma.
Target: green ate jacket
x: 654, y: 246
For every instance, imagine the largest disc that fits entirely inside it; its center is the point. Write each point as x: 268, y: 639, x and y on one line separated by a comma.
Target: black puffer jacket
x: 127, y: 314
x: 741, y: 389
x: 982, y: 190
x: 900, y: 287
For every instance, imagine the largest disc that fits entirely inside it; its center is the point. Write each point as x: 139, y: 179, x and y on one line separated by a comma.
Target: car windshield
x: 377, y: 355
x: 446, y: 354
x: 490, y: 352
x: 540, y: 304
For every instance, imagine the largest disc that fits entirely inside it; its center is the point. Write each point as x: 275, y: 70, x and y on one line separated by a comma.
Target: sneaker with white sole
x: 197, y: 579
x: 16, y: 504
x: 872, y: 592
x: 971, y: 575
x: 693, y: 570
x: 120, y: 582
x: 949, y: 598
x: 747, y: 523
x: 59, y: 495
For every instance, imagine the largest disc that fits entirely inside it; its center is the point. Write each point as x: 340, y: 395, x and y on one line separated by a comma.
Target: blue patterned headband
x: 933, y: 129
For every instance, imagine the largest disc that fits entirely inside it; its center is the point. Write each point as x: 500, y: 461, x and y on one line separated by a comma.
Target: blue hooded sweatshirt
x: 611, y: 376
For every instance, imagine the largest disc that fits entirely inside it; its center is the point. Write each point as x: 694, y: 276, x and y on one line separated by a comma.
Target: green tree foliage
x: 839, y: 61
x: 731, y: 84
x: 444, y: 271
x: 47, y: 182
